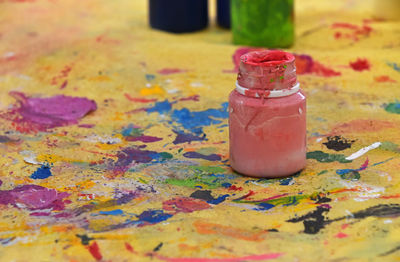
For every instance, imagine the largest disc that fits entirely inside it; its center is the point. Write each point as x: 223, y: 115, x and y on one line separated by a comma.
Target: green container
x: 266, y: 23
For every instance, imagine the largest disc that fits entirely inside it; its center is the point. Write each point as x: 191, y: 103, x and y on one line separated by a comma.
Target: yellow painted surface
x: 149, y: 211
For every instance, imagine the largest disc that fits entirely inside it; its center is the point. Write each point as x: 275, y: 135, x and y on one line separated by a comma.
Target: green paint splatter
x: 207, y: 182
x: 393, y: 108
x: 353, y: 175
x: 285, y: 201
x: 390, y: 146
x: 322, y: 172
x: 166, y: 155
x: 208, y: 169
x: 327, y: 158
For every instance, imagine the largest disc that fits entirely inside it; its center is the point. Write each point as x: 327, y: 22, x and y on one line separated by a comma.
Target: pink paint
x: 40, y: 114
x: 139, y: 100
x: 267, y: 133
x: 170, y: 71
x: 305, y: 64
x: 262, y: 257
x: 33, y: 197
x: 341, y: 235
x: 360, y: 65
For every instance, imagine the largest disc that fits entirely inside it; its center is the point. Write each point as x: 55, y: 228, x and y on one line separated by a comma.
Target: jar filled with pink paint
x: 267, y: 116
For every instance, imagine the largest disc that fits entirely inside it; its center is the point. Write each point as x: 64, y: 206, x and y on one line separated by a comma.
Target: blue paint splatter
x: 264, y: 206
x: 194, y: 121
x: 42, y: 172
x: 226, y: 185
x: 182, y: 137
x: 160, y: 107
x: 114, y: 212
x: 393, y: 65
x: 286, y: 181
x: 346, y: 171
x: 150, y: 77
x: 218, y: 200
x: 212, y: 157
x: 153, y: 216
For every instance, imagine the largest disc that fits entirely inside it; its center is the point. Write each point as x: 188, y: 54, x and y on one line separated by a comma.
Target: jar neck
x: 263, y: 72
x: 258, y: 93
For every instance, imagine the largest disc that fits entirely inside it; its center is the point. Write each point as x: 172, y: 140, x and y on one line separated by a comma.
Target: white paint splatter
x: 104, y: 140
x: 388, y: 221
x: 319, y: 139
x: 364, y: 150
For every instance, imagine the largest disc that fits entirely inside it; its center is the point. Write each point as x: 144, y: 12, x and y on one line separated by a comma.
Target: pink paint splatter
x: 40, y: 114
x: 305, y: 64
x: 139, y: 100
x: 360, y: 65
x: 33, y: 197
x: 341, y: 235
x: 262, y: 257
x: 170, y: 71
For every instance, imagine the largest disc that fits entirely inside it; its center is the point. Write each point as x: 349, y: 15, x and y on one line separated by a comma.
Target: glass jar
x: 266, y: 23
x: 267, y: 116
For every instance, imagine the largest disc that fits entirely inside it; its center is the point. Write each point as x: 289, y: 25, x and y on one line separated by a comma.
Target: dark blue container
x: 178, y: 16
x: 224, y: 13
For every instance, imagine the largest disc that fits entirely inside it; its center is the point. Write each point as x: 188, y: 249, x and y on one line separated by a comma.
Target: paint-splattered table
x: 114, y: 140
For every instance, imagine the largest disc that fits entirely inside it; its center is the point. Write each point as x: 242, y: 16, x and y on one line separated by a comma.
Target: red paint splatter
x: 351, y: 31
x: 245, y: 196
x: 170, y: 71
x: 360, y: 65
x: 95, y: 251
x: 341, y: 235
x: 107, y: 40
x: 64, y: 84
x: 344, y: 226
x: 139, y: 100
x: 235, y: 188
x: 185, y: 205
x: 384, y: 79
x: 129, y: 248
x: 62, y: 75
x: 193, y: 98
x: 305, y: 64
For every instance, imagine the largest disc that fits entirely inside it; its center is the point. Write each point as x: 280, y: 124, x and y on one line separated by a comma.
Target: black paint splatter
x: 338, y: 143
x: 391, y: 210
x: 393, y: 250
x: 85, y: 239
x: 314, y: 221
x: 158, y: 247
x: 203, y: 195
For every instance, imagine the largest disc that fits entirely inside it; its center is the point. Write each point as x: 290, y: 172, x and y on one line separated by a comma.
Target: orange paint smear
x: 210, y: 228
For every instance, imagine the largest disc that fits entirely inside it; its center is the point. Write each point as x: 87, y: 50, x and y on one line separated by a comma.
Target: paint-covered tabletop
x: 114, y: 140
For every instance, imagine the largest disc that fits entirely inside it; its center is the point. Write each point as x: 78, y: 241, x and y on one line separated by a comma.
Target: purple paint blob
x: 127, y: 155
x: 144, y: 139
x: 33, y: 197
x: 212, y: 157
x: 182, y: 137
x: 44, y: 113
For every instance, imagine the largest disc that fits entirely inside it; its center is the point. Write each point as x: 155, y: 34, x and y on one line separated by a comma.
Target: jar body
x: 267, y: 136
x: 178, y: 16
x: 266, y: 23
x: 224, y: 13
